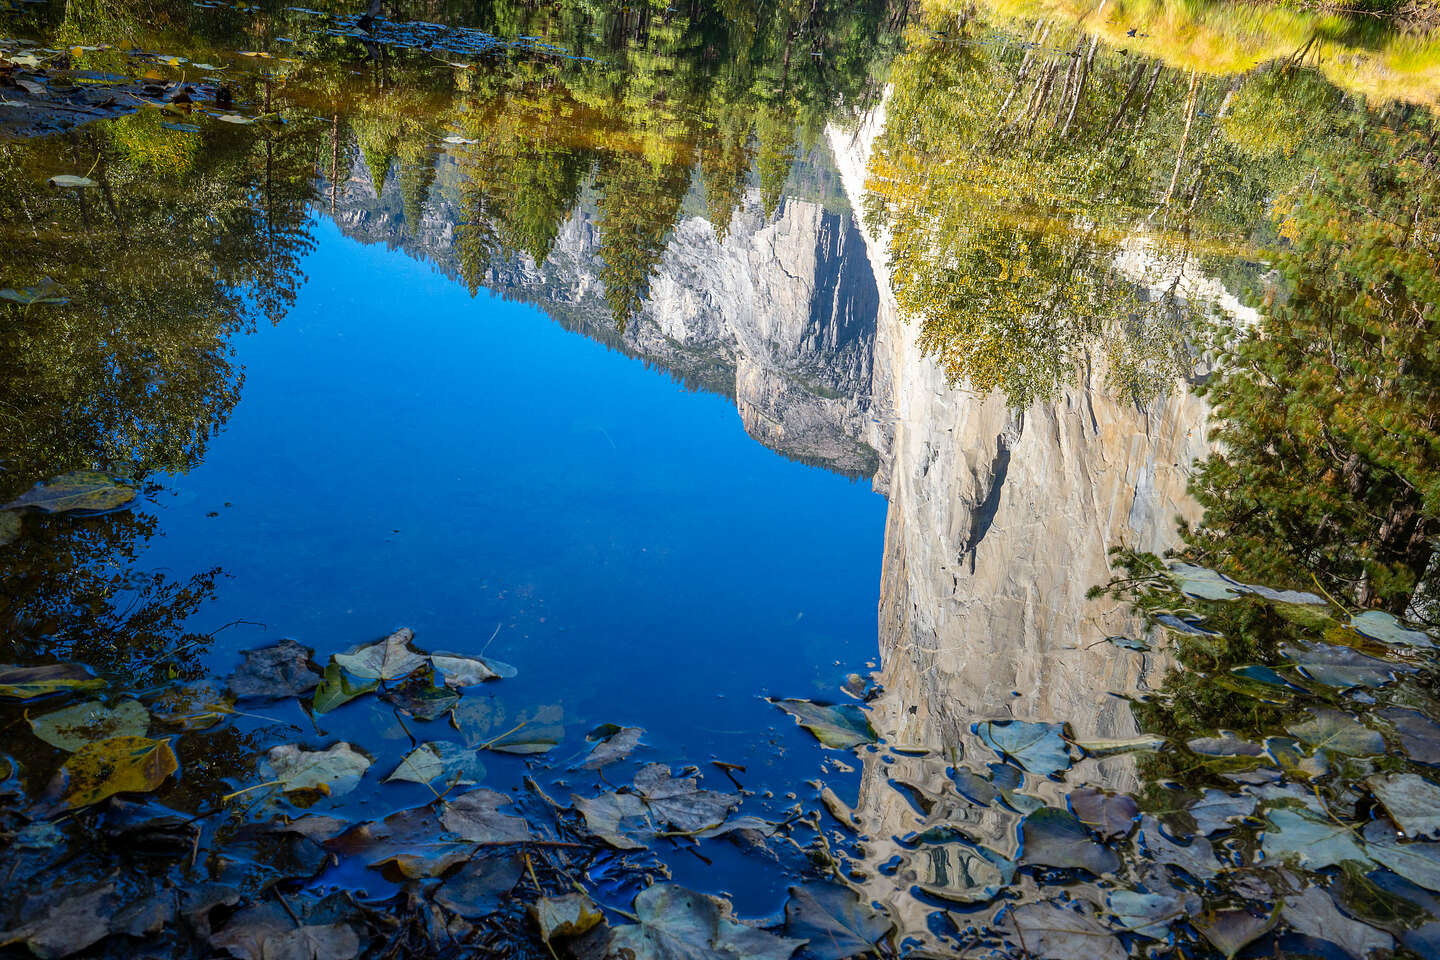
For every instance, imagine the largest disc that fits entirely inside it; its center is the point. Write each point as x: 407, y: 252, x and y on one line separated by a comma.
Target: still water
x: 726, y: 481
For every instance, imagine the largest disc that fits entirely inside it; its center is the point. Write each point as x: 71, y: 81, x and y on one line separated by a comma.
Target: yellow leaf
x: 117, y: 765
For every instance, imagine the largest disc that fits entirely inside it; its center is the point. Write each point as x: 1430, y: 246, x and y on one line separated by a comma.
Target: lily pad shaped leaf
x: 430, y: 761
x: 337, y: 689
x: 685, y: 807
x: 1312, y: 912
x: 1056, y: 838
x: 70, y: 180
x: 84, y: 723
x: 836, y: 922
x: 567, y: 916
x: 27, y: 683
x: 1379, y: 625
x: 1311, y: 842
x: 81, y: 492
x: 1338, y: 732
x: 614, y: 745
x: 117, y: 765
x: 1040, y: 748
x: 1412, y: 801
x: 676, y: 923
x: 842, y: 726
x: 389, y: 659
x: 274, y: 672
x: 335, y: 770
x: 1060, y: 933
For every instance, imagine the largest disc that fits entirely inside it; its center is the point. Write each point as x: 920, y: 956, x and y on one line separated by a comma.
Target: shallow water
x: 685, y: 359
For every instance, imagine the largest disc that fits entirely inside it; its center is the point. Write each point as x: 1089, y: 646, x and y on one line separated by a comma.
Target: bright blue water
x: 405, y: 455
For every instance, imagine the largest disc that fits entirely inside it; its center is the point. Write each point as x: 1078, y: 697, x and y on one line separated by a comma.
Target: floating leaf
x: 334, y: 771
x: 680, y: 803
x: 483, y: 885
x: 1111, y: 815
x: 84, y: 723
x: 234, y: 118
x: 406, y: 841
x: 1415, y: 860
x: 842, y: 726
x: 1056, y: 838
x: 117, y: 765
x: 1225, y: 745
x: 1379, y: 625
x: 1311, y: 842
x: 42, y: 292
x: 1197, y: 857
x: 389, y: 659
x: 421, y: 698
x: 567, y: 916
x: 192, y: 706
x: 65, y: 919
x: 1038, y: 747
x: 274, y: 672
x: 1230, y: 931
x: 528, y: 740
x: 1313, y: 913
x: 836, y: 922
x: 476, y: 817
x: 1112, y: 747
x: 469, y: 671
x: 1151, y: 914
x: 441, y: 758
x: 614, y: 817
x: 1202, y: 583
x: 1344, y: 667
x: 1189, y: 625
x: 27, y: 683
x: 1128, y: 643
x: 70, y: 180
x: 337, y: 689
x: 1419, y: 735
x: 1217, y: 810
x: 1412, y: 802
x: 675, y: 923
x: 1294, y: 761
x: 1061, y: 933
x: 85, y: 492
x: 1338, y: 733
x: 269, y: 931
x: 614, y: 745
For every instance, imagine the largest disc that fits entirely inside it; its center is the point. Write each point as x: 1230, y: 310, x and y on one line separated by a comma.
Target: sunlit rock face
x: 779, y: 315
x: 999, y: 523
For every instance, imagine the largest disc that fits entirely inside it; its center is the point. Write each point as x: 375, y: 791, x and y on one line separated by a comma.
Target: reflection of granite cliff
x: 999, y: 523
x: 780, y: 316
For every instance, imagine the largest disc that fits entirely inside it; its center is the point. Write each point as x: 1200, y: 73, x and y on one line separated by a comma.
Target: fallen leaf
x: 267, y: 932
x: 274, y: 672
x: 1040, y: 748
x: 85, y: 492
x: 680, y: 803
x: 117, y: 765
x: 613, y: 817
x: 1338, y: 733
x: 1344, y: 667
x: 335, y: 770
x: 337, y: 689
x: 1056, y: 838
x: 1230, y: 931
x: 1312, y: 843
x: 1110, y: 815
x: 466, y: 671
x: 419, y: 697
x: 615, y: 745
x: 84, y: 723
x: 843, y: 726
x: 1151, y: 914
x: 1419, y: 735
x: 676, y: 923
x: 482, y: 885
x: 1061, y: 933
x: 27, y: 683
x: 1217, y: 810
x: 567, y: 916
x: 70, y: 180
x: 1313, y: 913
x: 389, y: 659
x: 1412, y: 801
x: 1379, y: 625
x: 835, y: 922
x: 9, y: 522
x: 441, y: 758
x: 475, y: 816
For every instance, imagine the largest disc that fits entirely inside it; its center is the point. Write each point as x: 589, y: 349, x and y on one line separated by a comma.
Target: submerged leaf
x: 1151, y: 914
x: 274, y: 672
x: 1111, y: 815
x: 420, y: 698
x: 1216, y: 810
x: 843, y: 726
x: 676, y: 923
x: 836, y: 922
x: 441, y: 758
x: 84, y: 723
x: 337, y: 689
x: 1230, y: 931
x: 117, y: 765
x: 27, y: 683
x: 388, y: 659
x: 1038, y: 747
x: 80, y: 492
x: 1310, y: 842
x: 335, y: 770
x: 615, y: 745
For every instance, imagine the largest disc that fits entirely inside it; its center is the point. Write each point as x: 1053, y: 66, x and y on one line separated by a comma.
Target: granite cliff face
x: 779, y: 315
